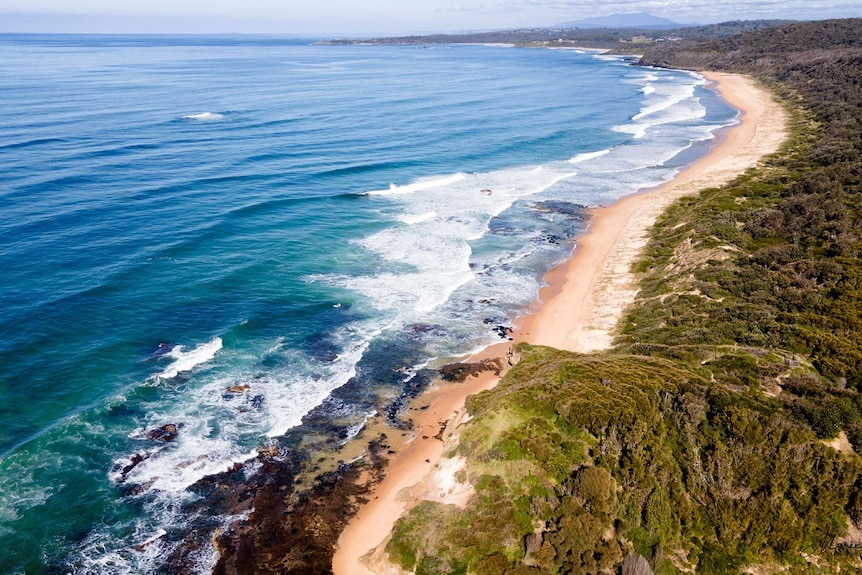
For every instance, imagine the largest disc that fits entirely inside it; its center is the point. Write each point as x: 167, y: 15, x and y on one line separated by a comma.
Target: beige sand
x: 412, y: 465
x: 597, y: 284
x: 580, y: 308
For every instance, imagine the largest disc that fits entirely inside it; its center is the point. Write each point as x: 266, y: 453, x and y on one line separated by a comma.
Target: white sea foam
x: 221, y: 419
x: 411, y: 219
x: 665, y: 103
x: 588, y: 156
x: 188, y: 360
x: 426, y: 270
x: 145, y: 549
x: 668, y: 100
x: 197, y: 452
x: 441, y: 259
x: 18, y: 497
x: 295, y: 398
x: 205, y: 117
x: 638, y: 130
x: 353, y: 430
x: 418, y: 186
x: 427, y: 261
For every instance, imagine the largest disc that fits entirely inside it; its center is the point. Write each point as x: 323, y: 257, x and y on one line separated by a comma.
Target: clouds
x: 695, y: 10
x: 390, y: 17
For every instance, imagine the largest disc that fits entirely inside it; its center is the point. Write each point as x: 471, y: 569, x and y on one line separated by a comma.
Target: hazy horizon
x: 338, y: 17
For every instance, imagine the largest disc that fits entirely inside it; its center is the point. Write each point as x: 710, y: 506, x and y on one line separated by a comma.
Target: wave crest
x: 188, y: 360
x: 205, y: 117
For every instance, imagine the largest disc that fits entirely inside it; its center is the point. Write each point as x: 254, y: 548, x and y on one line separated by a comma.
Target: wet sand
x: 579, y: 310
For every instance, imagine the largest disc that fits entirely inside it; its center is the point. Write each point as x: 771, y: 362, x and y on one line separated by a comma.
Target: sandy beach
x: 579, y: 310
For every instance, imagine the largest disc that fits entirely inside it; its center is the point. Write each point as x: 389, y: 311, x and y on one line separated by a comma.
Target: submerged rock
x: 134, y: 461
x: 161, y: 534
x: 577, y: 211
x: 164, y: 434
x: 503, y: 331
x: 287, y: 529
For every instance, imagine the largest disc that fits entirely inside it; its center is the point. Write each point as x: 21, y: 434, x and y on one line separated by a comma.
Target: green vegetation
x: 582, y: 461
x: 699, y: 444
x: 602, y: 38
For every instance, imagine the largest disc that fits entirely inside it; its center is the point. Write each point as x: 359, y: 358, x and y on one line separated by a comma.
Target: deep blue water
x: 179, y: 215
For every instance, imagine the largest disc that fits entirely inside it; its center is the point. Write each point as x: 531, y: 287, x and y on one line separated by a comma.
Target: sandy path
x: 580, y: 308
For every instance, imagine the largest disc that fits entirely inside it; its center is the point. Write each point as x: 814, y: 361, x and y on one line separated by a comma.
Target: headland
x: 578, y: 310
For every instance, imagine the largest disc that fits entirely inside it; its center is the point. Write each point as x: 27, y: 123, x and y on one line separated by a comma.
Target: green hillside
x: 703, y: 442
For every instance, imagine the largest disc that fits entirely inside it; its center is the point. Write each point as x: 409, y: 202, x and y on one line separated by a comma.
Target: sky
x: 378, y: 16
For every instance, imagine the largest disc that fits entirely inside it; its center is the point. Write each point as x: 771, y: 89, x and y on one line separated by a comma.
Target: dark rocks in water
x: 134, y: 461
x: 503, y: 331
x: 549, y: 239
x: 160, y: 535
x: 138, y: 489
x: 576, y: 211
x: 420, y: 328
x: 216, y: 489
x: 409, y: 389
x: 256, y: 402
x: 162, y: 349
x: 322, y: 348
x: 163, y: 434
x: 295, y: 512
x: 502, y: 227
x: 252, y: 404
x: 417, y: 331
x: 291, y: 530
x: 461, y: 371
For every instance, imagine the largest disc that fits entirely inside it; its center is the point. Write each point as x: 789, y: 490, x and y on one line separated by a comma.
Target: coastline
x: 586, y: 296
x: 579, y: 308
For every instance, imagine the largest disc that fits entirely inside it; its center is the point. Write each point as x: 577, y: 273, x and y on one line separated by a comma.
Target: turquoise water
x: 179, y: 215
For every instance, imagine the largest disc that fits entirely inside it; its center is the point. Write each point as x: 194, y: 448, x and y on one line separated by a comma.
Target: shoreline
x: 597, y: 281
x: 578, y: 311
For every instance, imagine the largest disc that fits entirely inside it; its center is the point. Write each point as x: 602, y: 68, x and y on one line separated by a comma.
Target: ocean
x: 204, y: 238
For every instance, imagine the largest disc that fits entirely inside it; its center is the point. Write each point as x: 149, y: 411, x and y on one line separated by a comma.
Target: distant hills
x: 640, y: 20
x: 620, y: 38
x: 723, y: 433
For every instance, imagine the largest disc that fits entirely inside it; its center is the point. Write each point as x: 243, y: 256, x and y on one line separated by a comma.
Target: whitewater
x: 204, y: 239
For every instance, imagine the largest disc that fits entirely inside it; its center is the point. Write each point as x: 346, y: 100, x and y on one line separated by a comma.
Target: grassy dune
x: 720, y: 434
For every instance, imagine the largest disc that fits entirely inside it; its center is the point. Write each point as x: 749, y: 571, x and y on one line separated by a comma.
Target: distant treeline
x: 600, y: 38
x: 722, y: 433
